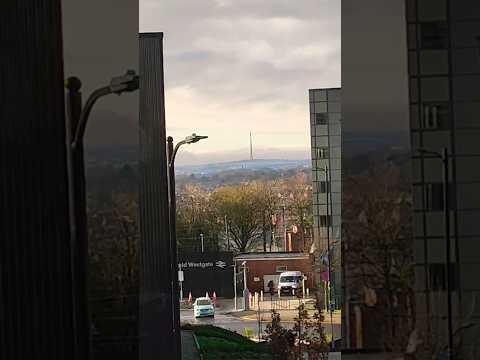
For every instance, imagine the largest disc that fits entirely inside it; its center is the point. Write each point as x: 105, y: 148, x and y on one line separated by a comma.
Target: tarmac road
x: 234, y: 323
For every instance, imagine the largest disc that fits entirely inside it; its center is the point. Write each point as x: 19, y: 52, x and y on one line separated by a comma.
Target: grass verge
x: 218, y: 343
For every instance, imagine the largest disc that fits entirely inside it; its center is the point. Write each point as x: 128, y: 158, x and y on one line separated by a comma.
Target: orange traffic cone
x: 214, y: 298
x: 190, y: 297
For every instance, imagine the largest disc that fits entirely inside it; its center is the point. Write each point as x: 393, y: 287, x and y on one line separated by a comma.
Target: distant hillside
x: 245, y: 166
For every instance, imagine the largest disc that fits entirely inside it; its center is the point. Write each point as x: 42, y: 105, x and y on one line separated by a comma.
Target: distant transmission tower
x: 251, y: 147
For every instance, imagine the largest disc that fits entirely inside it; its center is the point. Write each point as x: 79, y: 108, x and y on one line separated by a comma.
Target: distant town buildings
x: 326, y: 138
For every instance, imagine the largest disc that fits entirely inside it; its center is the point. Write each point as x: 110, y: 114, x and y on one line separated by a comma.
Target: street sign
x: 180, y: 276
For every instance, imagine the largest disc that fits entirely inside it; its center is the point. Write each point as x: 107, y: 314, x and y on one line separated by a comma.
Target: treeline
x: 246, y: 216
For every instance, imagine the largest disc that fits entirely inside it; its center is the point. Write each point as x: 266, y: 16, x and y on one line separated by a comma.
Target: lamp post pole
x: 235, y: 285
x: 173, y: 240
x: 171, y: 153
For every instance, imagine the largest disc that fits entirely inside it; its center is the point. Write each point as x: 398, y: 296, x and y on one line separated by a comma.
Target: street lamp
x: 446, y: 211
x: 327, y: 222
x: 171, y: 153
x: 118, y: 85
x: 77, y: 118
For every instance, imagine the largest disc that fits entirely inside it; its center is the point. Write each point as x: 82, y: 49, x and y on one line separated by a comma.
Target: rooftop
x: 271, y: 256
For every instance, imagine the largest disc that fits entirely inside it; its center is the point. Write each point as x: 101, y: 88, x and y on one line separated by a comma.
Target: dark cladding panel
x: 207, y: 272
x: 156, y: 321
x: 35, y: 277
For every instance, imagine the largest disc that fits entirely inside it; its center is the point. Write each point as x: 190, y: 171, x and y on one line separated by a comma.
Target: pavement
x: 189, y: 347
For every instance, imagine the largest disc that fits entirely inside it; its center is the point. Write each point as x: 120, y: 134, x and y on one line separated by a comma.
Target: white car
x: 203, y: 307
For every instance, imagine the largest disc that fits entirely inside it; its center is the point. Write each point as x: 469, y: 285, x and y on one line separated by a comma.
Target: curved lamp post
x: 77, y: 118
x: 171, y: 154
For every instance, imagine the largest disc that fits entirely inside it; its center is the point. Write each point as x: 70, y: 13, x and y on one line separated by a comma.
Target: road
x: 227, y: 321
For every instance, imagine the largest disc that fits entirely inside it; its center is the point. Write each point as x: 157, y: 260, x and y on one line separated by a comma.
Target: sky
x: 232, y: 67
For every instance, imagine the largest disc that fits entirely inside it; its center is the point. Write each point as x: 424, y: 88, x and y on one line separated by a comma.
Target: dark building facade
x: 57, y: 300
x: 444, y: 80
x: 39, y: 313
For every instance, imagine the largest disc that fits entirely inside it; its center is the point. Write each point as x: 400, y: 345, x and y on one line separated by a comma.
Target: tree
x: 378, y: 249
x: 281, y: 340
x: 306, y: 337
x: 267, y: 207
x: 242, y: 205
x: 196, y: 215
x: 300, y: 207
x: 113, y: 244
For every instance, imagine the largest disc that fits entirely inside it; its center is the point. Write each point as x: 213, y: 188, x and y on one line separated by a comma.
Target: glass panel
x: 435, y: 89
x: 334, y: 107
x: 433, y: 62
x: 321, y: 118
x: 434, y: 35
x: 320, y: 107
x: 429, y: 10
x: 319, y: 95
x: 412, y: 36
x: 412, y: 63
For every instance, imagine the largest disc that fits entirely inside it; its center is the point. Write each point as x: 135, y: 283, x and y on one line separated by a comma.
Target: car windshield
x: 203, y: 302
x: 290, y: 278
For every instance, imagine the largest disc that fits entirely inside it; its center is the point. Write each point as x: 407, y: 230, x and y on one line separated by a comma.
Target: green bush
x: 218, y: 343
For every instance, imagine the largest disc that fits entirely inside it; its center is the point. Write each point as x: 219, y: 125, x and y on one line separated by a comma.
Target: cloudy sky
x: 232, y: 67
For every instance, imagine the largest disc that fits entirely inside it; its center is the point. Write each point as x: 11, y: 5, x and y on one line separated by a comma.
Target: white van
x: 290, y: 281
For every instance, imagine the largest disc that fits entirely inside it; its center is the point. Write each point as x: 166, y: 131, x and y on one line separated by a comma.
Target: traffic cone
x: 214, y: 298
x: 190, y: 298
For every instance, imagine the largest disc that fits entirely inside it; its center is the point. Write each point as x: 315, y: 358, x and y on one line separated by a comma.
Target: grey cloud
x: 248, y: 51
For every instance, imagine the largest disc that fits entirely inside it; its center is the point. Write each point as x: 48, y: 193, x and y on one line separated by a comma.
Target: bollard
x: 308, y: 292
x: 278, y: 292
x: 261, y: 295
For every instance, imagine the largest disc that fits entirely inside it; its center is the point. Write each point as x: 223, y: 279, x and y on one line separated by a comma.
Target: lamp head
x: 194, y: 138
x: 125, y: 83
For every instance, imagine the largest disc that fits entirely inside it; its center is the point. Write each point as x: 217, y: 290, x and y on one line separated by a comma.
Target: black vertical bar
x: 78, y: 219
x: 36, y: 307
x: 446, y: 211
x: 156, y: 278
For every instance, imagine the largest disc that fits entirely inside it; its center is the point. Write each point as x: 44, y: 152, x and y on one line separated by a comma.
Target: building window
x: 280, y: 268
x: 325, y: 221
x: 435, y: 116
x: 434, y: 35
x: 321, y: 118
x: 322, y: 153
x: 323, y: 188
x: 433, y: 196
x: 438, y: 278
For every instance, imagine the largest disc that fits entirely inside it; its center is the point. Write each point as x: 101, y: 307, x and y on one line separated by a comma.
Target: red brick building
x: 263, y: 267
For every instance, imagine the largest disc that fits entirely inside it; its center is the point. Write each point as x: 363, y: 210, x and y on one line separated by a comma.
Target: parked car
x: 290, y: 282
x: 203, y: 306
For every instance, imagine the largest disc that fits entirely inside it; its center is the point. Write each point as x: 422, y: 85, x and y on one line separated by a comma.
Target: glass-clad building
x: 444, y: 75
x: 326, y: 138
